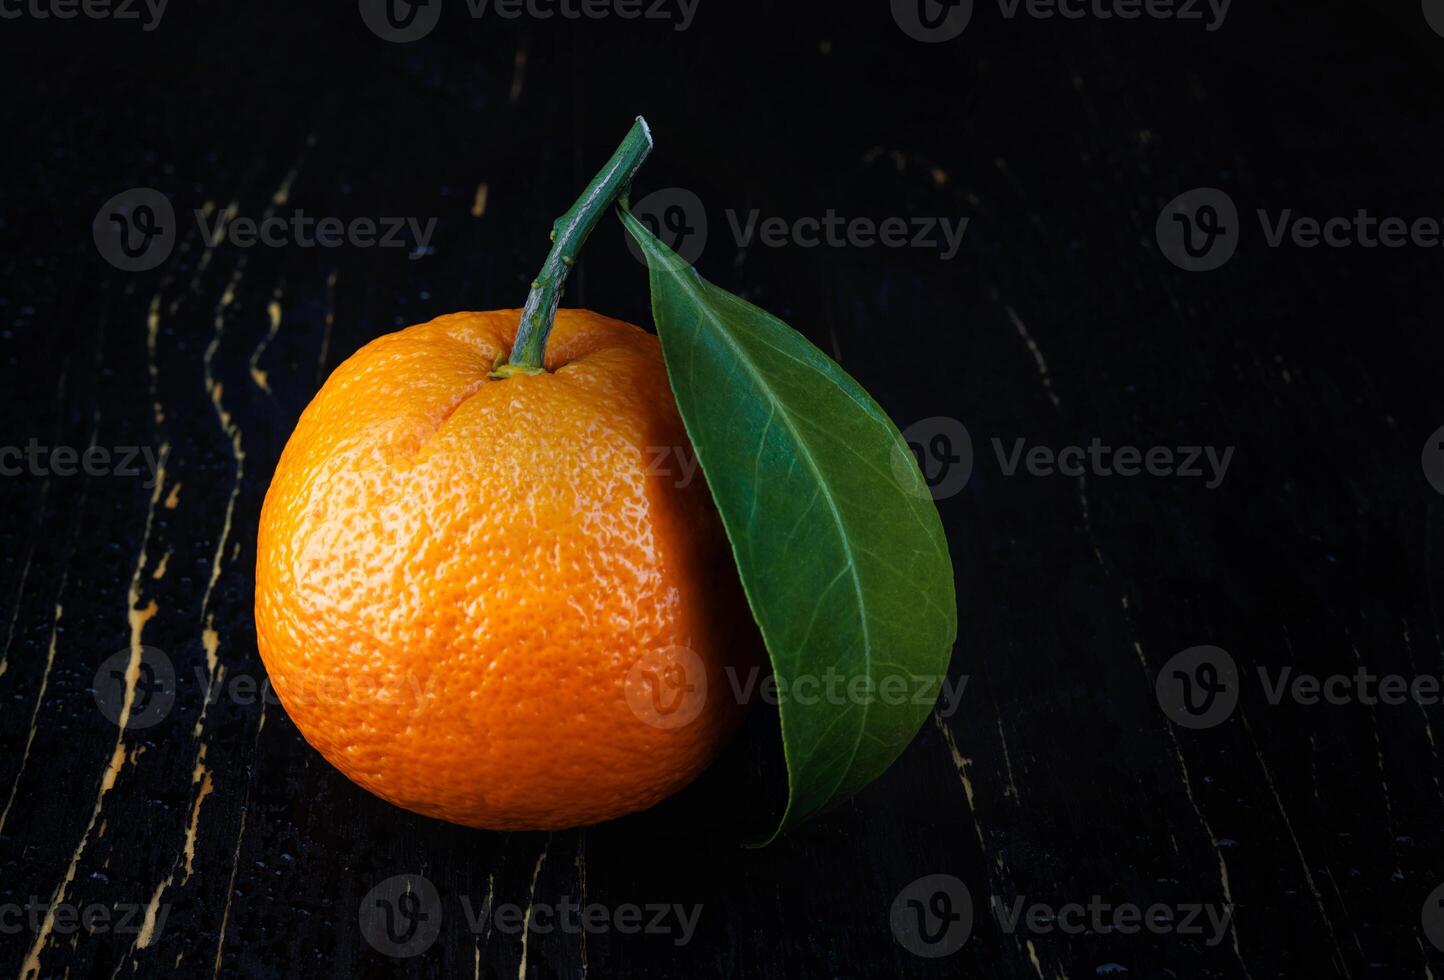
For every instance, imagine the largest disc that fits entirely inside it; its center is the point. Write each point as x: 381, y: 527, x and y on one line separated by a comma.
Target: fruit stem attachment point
x: 569, y: 233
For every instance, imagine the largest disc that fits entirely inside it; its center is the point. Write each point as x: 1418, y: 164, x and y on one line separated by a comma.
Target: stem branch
x: 569, y: 233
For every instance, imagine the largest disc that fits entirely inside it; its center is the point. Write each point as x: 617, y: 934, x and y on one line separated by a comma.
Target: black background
x: 1058, y: 778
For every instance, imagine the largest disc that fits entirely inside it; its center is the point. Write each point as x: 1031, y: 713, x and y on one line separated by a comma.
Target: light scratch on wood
x: 530, y: 904
x: 30, y: 545
x: 582, y: 890
x: 1037, y: 354
x: 1298, y: 849
x: 485, y: 921
x: 137, y: 616
x: 39, y: 699
x: 327, y: 325
x: 518, y: 76
x: 273, y: 315
x: 236, y: 856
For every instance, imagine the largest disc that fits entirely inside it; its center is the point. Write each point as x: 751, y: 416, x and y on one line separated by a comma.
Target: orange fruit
x: 505, y: 603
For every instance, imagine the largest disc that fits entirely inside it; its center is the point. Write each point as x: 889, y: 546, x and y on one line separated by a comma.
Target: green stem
x: 569, y: 233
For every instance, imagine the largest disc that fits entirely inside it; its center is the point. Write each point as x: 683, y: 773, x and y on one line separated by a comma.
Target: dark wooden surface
x: 1059, y: 778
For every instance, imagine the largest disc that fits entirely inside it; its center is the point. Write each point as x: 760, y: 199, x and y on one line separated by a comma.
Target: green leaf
x: 837, y: 540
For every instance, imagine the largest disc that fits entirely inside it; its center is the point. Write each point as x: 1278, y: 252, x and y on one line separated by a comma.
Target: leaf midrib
x: 746, y: 360
x: 872, y: 409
